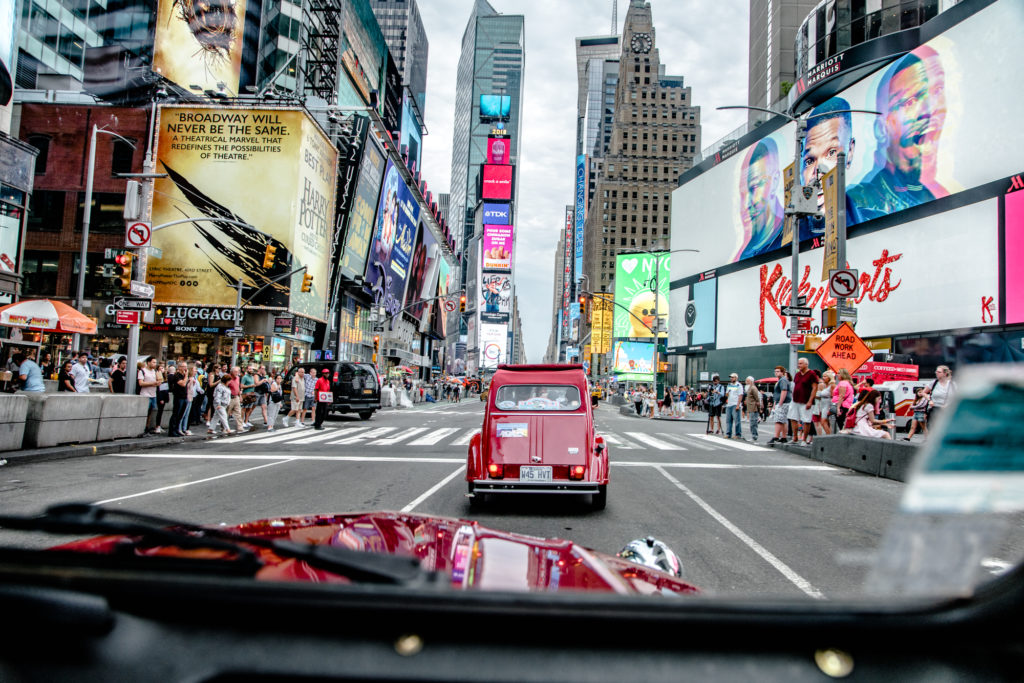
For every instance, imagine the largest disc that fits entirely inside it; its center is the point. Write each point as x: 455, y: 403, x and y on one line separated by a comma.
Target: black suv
x: 355, y: 386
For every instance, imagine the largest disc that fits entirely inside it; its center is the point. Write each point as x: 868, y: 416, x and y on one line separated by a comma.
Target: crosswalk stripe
x: 689, y: 442
x: 730, y: 443
x: 395, y: 438
x: 431, y: 439
x: 253, y: 437
x: 657, y: 443
x: 464, y: 439
x: 373, y: 433
x: 292, y: 435
x: 616, y: 441
x: 327, y: 434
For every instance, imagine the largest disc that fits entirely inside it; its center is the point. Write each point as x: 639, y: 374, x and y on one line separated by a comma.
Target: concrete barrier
x: 122, y: 415
x: 877, y: 457
x: 54, y: 419
x: 13, y: 409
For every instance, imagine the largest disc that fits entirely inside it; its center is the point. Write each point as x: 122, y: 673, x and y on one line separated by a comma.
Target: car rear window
x: 537, y: 397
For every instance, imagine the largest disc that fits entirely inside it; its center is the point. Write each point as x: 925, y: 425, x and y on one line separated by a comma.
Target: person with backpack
x: 715, y: 399
x: 752, y: 400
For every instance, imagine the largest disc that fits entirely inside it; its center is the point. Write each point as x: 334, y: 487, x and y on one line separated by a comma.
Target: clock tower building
x: 655, y: 137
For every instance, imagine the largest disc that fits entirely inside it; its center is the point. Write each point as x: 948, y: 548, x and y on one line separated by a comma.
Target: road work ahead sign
x: 845, y: 350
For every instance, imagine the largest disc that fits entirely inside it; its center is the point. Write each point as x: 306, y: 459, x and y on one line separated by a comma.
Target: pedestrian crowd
x: 670, y: 404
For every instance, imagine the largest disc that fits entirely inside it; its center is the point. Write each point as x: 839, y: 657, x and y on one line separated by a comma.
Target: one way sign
x: 125, y: 303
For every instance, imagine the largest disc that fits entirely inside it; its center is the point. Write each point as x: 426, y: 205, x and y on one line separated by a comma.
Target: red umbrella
x: 46, y: 315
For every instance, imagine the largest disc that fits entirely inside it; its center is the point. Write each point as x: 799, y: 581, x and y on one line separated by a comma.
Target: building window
x: 121, y: 157
x: 42, y: 143
x: 47, y: 213
x: 107, y: 213
x: 39, y: 270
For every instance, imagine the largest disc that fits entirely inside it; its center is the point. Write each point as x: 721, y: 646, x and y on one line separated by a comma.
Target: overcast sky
x: 705, y: 42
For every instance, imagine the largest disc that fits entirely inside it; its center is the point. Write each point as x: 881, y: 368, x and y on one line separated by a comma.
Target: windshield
x: 537, y: 397
x: 801, y: 322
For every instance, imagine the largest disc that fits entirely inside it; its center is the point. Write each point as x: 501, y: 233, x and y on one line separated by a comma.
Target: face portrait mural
x: 388, y: 225
x: 911, y: 96
x: 761, y: 195
x: 829, y: 132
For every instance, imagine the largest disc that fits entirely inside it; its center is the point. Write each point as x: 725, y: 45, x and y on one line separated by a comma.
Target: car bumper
x: 516, y: 486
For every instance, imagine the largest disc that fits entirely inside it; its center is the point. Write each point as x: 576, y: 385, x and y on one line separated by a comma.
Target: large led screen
x: 498, y: 247
x: 362, y: 210
x: 495, y: 107
x: 496, y: 182
x: 633, y: 360
x: 387, y: 268
x: 493, y: 344
x: 636, y: 302
x: 495, y: 303
x: 197, y: 46
x: 497, y: 214
x: 499, y: 150
x: 948, y: 122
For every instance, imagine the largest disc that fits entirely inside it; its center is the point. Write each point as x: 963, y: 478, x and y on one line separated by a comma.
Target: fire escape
x: 319, y: 63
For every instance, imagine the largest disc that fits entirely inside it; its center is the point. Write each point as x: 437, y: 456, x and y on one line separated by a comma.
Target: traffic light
x: 376, y: 346
x: 123, y: 270
x: 307, y: 282
x: 462, y: 304
x: 583, y: 304
x: 268, y: 258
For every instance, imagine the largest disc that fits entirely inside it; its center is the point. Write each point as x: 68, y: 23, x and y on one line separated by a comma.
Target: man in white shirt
x: 733, y: 406
x: 81, y: 372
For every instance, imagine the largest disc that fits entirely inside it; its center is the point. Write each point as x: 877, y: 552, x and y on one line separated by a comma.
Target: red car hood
x: 474, y: 556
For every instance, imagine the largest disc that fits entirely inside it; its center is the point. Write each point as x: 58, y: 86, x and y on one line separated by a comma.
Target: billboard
x: 496, y: 214
x: 633, y: 360
x: 439, y: 317
x: 581, y: 210
x: 200, y: 45
x: 498, y: 240
x: 359, y: 222
x: 411, y: 138
x: 499, y: 150
x: 271, y: 168
x: 493, y: 345
x: 422, y: 273
x: 567, y: 273
x: 495, y: 107
x: 601, y: 323
x: 696, y: 329
x: 939, y: 104
x: 495, y: 302
x: 635, y: 285
x: 496, y: 182
x: 387, y: 267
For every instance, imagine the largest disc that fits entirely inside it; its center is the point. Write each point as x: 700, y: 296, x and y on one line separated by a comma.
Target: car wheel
x: 599, y: 500
x: 477, y: 500
x: 365, y: 415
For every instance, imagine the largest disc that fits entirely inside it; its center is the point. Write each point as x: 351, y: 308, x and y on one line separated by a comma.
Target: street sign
x: 142, y: 289
x: 804, y: 324
x: 450, y: 305
x: 796, y: 339
x: 844, y: 283
x: 137, y: 234
x: 126, y: 317
x: 234, y: 332
x: 844, y: 350
x: 798, y: 311
x: 378, y: 328
x: 847, y: 314
x: 126, y: 303
x: 801, y: 300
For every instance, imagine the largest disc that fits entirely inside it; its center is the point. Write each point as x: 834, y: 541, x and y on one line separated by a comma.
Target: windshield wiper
x: 85, y: 518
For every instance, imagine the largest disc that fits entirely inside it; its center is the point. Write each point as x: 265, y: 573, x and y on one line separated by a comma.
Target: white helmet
x: 650, y: 552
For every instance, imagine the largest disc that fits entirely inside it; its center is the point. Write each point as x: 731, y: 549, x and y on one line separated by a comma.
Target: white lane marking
x: 690, y: 443
x: 432, y: 490
x: 328, y: 434
x: 731, y: 443
x: 395, y: 438
x: 253, y: 437
x: 301, y: 436
x: 465, y: 438
x: 372, y: 434
x: 656, y: 443
x: 724, y: 466
x: 784, y: 569
x: 431, y: 439
x: 191, y: 483
x: 616, y: 441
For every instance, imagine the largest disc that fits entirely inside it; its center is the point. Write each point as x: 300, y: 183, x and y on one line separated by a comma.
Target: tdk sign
x: 496, y: 214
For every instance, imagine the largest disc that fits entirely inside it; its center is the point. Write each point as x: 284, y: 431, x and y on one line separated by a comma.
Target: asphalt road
x: 745, y: 519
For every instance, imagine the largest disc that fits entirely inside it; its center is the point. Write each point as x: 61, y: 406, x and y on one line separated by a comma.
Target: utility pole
x: 794, y: 216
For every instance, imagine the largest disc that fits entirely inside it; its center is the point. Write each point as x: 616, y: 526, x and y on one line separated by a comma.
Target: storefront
x: 292, y: 340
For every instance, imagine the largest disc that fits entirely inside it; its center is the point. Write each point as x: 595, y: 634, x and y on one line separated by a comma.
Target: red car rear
x: 538, y: 436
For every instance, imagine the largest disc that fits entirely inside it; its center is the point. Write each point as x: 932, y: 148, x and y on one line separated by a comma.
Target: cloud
x: 704, y: 42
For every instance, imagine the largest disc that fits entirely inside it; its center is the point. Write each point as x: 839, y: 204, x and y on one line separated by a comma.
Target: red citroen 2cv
x: 538, y: 436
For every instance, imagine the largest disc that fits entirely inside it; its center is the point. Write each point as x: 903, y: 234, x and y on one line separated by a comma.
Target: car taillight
x: 495, y: 471
x: 335, y: 380
x: 576, y: 471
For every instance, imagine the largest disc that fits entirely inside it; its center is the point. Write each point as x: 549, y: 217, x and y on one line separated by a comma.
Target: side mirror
x: 600, y: 446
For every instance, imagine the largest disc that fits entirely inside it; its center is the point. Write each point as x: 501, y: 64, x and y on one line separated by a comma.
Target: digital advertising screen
x: 422, y: 273
x: 496, y: 182
x: 497, y: 214
x: 362, y: 210
x: 499, y: 150
x: 493, y: 344
x: 495, y: 303
x: 696, y: 328
x: 633, y: 360
x: 948, y: 122
x: 495, y: 107
x: 635, y: 283
x: 498, y: 240
x: 387, y: 268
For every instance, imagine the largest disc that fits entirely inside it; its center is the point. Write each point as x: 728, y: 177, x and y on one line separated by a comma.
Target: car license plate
x: 367, y: 391
x: 528, y: 473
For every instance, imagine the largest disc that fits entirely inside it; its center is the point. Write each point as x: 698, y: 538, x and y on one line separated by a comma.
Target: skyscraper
x: 491, y: 63
x: 773, y: 28
x: 403, y: 30
x: 654, y: 137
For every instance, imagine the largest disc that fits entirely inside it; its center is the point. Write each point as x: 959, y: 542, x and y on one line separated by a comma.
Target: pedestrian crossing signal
x: 268, y: 258
x: 307, y: 282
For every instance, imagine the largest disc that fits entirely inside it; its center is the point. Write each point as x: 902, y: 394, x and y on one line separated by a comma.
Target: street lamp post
x: 87, y: 219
